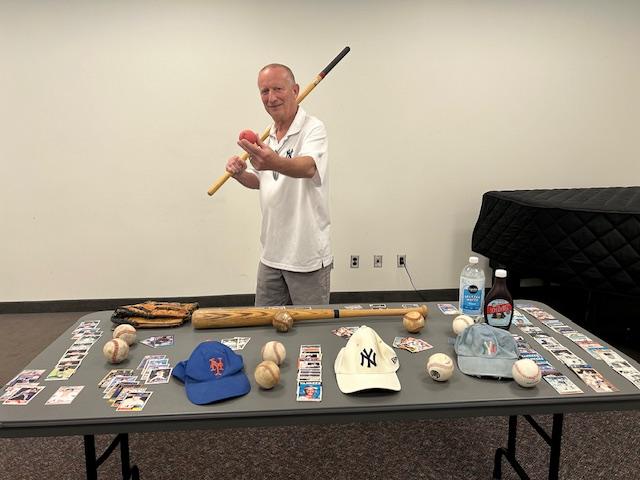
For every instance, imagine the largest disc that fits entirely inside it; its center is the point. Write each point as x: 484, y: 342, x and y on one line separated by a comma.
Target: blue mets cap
x: 484, y: 350
x: 212, y: 373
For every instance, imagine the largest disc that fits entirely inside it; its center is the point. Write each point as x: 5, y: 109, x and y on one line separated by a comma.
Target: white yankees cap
x: 366, y: 362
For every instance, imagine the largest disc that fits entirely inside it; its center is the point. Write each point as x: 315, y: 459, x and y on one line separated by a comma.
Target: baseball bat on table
x: 301, y: 96
x: 255, y: 316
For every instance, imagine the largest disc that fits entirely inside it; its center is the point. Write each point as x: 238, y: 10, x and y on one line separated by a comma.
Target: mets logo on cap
x: 217, y: 366
x: 212, y: 373
x: 366, y: 362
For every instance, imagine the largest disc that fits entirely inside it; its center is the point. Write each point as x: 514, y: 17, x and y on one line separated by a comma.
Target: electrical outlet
x: 377, y: 261
x: 355, y: 261
x: 402, y: 260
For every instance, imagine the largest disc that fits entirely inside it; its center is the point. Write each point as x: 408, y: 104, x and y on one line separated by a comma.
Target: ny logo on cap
x: 217, y: 366
x: 369, y: 356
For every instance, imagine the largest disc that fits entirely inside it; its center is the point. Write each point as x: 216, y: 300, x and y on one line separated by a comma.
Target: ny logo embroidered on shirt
x: 369, y: 356
x: 217, y: 366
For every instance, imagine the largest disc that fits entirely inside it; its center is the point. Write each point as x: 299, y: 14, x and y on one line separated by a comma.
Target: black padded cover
x: 583, y: 237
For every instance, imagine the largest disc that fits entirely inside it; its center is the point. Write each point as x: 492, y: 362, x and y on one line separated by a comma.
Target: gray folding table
x: 421, y: 397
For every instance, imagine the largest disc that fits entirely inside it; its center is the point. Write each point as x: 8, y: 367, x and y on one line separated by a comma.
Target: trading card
x: 592, y: 348
x: 538, y: 313
x: 448, y: 309
x: 151, y: 365
x: 149, y: 342
x: 562, y: 384
x: 519, y: 319
x: 410, y: 305
x: 242, y: 342
x: 63, y: 370
x: 378, y: 306
x: 577, y: 337
x: 353, y: 307
x: 112, y: 373
x: 23, y: 395
x: 232, y: 343
x: 73, y: 356
x: 163, y: 341
x: 26, y: 376
x: 115, y: 403
x: 12, y: 389
x: 115, y: 382
x: 85, y: 341
x: 309, y: 364
x: 159, y: 375
x: 594, y: 379
x: 309, y: 392
x: 147, y: 358
x: 117, y: 390
x: 344, y: 332
x: 134, y: 401
x: 64, y: 395
x: 568, y: 358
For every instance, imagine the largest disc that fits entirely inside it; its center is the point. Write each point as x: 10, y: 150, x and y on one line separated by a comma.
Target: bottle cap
x: 501, y: 273
x: 473, y: 259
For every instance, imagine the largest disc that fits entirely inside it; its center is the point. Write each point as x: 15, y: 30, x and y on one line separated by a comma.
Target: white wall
x: 116, y: 116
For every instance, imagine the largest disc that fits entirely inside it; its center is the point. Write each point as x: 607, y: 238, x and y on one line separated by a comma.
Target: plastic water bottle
x: 471, y: 298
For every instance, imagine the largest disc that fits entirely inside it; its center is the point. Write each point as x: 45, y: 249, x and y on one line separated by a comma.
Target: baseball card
x: 448, y: 309
x: 23, y: 395
x: 112, y: 373
x: 134, y: 401
x: 309, y: 392
x: 26, y: 376
x: 594, y: 379
x: 562, y: 384
x: 64, y: 395
x: 159, y: 375
x: 344, y: 332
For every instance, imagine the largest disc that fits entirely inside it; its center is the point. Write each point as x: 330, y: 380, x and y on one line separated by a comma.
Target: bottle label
x: 499, y: 313
x: 471, y: 300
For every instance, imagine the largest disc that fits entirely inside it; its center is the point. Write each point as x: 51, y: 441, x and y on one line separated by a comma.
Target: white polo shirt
x: 295, y: 211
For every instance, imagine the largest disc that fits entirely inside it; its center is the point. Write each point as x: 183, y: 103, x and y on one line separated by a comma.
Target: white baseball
x: 440, y: 367
x: 274, y: 351
x: 116, y: 350
x: 526, y: 373
x: 267, y: 374
x: 125, y: 332
x: 461, y: 322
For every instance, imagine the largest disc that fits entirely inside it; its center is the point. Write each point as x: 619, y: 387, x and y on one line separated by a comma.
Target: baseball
x: 526, y: 373
x: 248, y: 135
x: 115, y: 350
x: 125, y: 332
x: 413, y: 321
x: 267, y: 374
x: 440, y: 367
x: 282, y: 322
x: 461, y: 322
x: 273, y: 351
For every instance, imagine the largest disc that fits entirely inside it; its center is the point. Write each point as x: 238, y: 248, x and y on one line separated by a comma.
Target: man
x: 291, y: 172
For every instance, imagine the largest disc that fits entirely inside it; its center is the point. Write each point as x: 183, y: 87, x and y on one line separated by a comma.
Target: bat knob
x: 282, y: 321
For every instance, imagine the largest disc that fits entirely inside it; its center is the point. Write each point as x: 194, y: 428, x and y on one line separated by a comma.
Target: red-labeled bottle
x: 498, y: 304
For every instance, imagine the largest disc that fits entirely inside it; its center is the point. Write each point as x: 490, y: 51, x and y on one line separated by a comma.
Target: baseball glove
x: 152, y: 314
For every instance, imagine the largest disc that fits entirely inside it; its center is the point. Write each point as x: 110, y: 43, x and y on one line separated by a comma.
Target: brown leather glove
x: 152, y: 314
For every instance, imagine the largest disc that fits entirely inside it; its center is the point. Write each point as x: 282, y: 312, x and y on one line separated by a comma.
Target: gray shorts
x: 282, y: 287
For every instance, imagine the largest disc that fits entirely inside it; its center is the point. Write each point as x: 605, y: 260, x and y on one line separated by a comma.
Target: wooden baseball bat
x: 301, y: 96
x: 255, y: 316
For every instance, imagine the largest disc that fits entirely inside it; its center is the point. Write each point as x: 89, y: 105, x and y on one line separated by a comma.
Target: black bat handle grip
x: 335, y: 61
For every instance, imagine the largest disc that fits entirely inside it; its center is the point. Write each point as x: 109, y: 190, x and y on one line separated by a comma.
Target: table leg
x: 553, y: 440
x: 93, y: 463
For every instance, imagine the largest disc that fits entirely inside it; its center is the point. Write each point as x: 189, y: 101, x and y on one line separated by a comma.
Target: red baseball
x: 248, y: 135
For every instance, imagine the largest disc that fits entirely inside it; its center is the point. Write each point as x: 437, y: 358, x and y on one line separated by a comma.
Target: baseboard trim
x: 91, y: 305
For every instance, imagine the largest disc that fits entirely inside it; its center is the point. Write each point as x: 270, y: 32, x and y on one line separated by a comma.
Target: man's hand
x: 261, y: 156
x: 235, y: 166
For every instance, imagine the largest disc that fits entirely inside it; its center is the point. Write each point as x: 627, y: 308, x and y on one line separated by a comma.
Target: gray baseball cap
x: 484, y: 350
